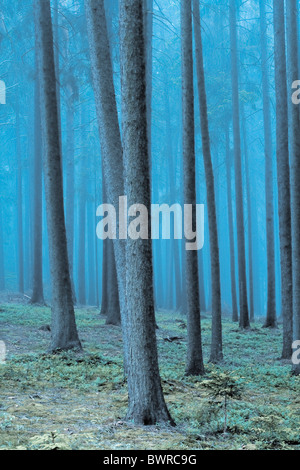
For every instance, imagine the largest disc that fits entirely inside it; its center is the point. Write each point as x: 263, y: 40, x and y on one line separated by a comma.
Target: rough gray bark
x: 148, y: 28
x: 38, y: 293
x: 283, y: 178
x: 64, y: 331
x: 269, y: 177
x: 293, y: 74
x: 146, y: 401
x: 194, y: 363
x: 216, y: 353
x: 243, y: 299
x: 235, y: 313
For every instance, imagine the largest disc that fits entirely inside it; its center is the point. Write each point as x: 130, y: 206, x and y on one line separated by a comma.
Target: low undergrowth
x: 78, y: 401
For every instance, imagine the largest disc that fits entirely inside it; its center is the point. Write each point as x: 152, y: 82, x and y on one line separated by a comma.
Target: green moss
x: 79, y: 401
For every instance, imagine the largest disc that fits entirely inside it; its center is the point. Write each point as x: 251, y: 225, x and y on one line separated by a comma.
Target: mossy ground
x: 71, y: 401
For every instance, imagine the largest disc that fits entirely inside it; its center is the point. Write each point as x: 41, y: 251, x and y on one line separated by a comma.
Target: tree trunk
x: 244, y: 314
x: 113, y: 315
x: 110, y: 138
x: 146, y: 401
x: 194, y: 364
x: 38, y: 293
x: 216, y: 354
x: 283, y: 178
x: 235, y: 313
x: 19, y: 204
x: 70, y: 184
x: 82, y: 207
x: 64, y: 331
x: 271, y: 294
x: 293, y: 74
x: 249, y: 214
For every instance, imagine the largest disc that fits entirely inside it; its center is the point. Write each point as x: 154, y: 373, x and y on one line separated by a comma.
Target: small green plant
x: 271, y: 431
x: 223, y: 386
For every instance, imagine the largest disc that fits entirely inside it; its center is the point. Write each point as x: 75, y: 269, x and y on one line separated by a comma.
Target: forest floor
x: 78, y: 401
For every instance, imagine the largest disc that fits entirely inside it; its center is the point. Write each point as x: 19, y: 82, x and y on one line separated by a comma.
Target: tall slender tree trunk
x: 110, y: 305
x: 249, y: 216
x: 216, y: 346
x: 174, y: 262
x: 293, y: 74
x: 110, y: 138
x: 70, y: 187
x: 202, y: 284
x: 243, y: 299
x: 194, y: 364
x: 91, y: 230
x: 64, y: 331
x: 146, y: 400
x: 269, y: 176
x: 113, y: 315
x: 235, y: 313
x: 82, y: 208
x: 19, y: 203
x: 38, y: 293
x: 283, y: 178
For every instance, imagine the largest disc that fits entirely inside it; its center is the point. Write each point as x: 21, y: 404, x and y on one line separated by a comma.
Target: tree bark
x: 38, y: 293
x: 216, y: 354
x: 243, y: 300
x: 283, y: 178
x: 64, y: 331
x: 271, y: 294
x: 146, y: 401
x: 249, y: 216
x: 19, y: 202
x: 110, y: 138
x: 293, y: 74
x: 235, y: 313
x: 194, y: 363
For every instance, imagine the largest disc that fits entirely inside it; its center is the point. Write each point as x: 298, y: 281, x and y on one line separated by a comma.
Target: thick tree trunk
x: 64, y: 331
x: 271, y: 294
x: 283, y: 177
x: 194, y: 364
x: 38, y: 293
x: 244, y: 314
x: 146, y: 400
x: 235, y: 313
x: 293, y: 74
x: 216, y: 346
